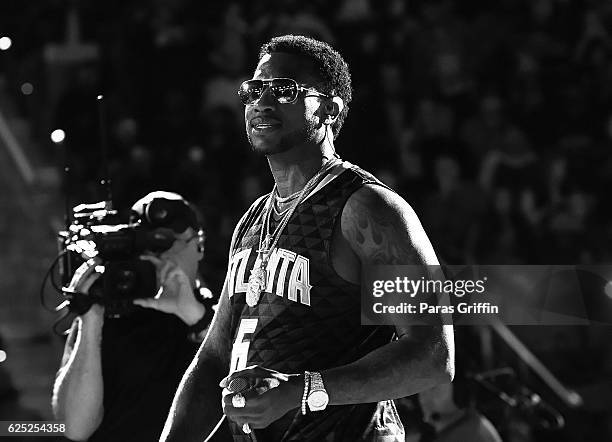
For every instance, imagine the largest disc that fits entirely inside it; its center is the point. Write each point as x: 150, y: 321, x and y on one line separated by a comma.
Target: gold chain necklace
x: 258, y: 278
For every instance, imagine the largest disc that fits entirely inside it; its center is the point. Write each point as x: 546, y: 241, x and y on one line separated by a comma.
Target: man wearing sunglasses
x: 286, y: 344
x: 118, y: 375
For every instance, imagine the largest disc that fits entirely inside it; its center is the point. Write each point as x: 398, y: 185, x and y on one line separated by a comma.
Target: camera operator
x: 118, y: 375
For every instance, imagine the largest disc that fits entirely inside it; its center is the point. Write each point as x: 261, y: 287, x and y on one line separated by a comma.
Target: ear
x: 332, y: 109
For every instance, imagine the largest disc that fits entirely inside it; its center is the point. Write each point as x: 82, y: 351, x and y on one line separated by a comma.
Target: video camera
x: 116, y: 242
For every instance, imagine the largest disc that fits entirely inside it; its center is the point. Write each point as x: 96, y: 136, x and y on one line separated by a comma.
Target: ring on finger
x: 246, y: 428
x: 238, y: 400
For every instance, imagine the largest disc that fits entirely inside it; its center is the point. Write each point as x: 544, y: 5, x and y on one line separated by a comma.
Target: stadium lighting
x: 58, y: 135
x: 5, y: 43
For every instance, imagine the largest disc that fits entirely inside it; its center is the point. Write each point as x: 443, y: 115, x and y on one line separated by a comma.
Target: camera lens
x: 126, y: 281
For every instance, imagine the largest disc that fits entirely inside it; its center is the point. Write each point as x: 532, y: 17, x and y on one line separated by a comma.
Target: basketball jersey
x: 308, y: 317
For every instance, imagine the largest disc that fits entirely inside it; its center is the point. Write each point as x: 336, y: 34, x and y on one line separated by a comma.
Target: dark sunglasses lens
x: 284, y: 90
x: 250, y: 91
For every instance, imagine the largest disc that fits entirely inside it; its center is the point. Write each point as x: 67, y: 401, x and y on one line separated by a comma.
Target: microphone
x: 261, y: 385
x: 238, y: 385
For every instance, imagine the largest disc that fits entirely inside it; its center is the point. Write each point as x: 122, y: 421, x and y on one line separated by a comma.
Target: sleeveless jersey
x: 308, y: 317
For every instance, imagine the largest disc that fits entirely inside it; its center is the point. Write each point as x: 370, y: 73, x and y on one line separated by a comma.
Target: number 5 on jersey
x: 240, y: 349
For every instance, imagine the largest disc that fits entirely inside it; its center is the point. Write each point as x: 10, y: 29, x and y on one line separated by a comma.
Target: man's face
x: 272, y: 127
x: 185, y: 253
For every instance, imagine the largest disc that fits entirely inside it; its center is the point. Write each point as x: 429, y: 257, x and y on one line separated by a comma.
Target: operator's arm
x: 78, y: 389
x: 382, y: 229
x: 196, y: 408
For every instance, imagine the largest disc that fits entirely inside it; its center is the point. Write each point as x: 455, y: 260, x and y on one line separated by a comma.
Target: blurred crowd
x: 492, y: 118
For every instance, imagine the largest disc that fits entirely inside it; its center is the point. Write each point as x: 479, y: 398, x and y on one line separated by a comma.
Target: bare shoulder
x: 382, y: 228
x: 243, y: 219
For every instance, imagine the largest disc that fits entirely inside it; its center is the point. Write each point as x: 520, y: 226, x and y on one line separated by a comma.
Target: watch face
x: 318, y: 399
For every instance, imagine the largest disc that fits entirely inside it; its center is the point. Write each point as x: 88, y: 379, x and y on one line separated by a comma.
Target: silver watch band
x: 316, y: 381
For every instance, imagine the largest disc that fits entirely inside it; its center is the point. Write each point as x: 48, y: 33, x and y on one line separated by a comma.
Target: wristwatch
x: 317, y: 397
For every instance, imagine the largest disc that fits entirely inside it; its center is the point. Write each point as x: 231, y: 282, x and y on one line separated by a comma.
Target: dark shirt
x: 144, y: 357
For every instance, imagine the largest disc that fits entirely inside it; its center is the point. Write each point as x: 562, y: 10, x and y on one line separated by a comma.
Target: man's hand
x: 82, y: 280
x: 176, y: 293
x: 270, y: 395
x: 84, y: 276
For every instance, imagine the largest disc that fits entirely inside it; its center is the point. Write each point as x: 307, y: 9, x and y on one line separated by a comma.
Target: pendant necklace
x: 258, y: 278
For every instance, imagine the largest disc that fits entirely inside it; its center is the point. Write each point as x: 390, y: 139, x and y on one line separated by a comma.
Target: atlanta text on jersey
x: 284, y: 266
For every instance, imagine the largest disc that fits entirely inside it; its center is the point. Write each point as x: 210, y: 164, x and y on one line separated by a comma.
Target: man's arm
x: 382, y: 229
x: 78, y: 389
x: 196, y: 408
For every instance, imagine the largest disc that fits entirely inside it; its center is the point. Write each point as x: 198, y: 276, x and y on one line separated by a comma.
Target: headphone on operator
x: 168, y: 213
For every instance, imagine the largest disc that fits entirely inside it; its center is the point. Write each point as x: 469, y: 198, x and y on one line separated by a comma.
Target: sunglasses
x: 284, y: 90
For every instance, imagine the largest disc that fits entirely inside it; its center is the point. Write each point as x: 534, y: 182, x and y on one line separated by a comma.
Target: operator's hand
x: 176, y: 293
x: 270, y: 396
x: 85, y: 276
x: 82, y: 280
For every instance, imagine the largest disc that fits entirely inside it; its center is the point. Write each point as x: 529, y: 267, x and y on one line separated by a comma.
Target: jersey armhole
x: 249, y: 216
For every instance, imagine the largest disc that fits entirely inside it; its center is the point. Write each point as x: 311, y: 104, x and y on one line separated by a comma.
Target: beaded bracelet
x: 306, y: 391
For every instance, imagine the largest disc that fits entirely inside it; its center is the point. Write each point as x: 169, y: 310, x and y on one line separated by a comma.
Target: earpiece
x: 331, y: 114
x: 333, y: 109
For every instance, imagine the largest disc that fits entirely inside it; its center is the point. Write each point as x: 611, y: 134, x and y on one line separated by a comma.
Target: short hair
x: 329, y: 64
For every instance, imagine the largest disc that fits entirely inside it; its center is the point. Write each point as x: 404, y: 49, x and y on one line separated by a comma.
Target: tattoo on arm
x: 377, y: 229
x: 382, y: 229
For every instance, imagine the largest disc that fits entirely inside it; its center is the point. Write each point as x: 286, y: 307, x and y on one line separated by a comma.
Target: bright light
x: 608, y: 289
x: 58, y: 135
x: 2, y: 356
x: 5, y: 43
x: 27, y: 88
